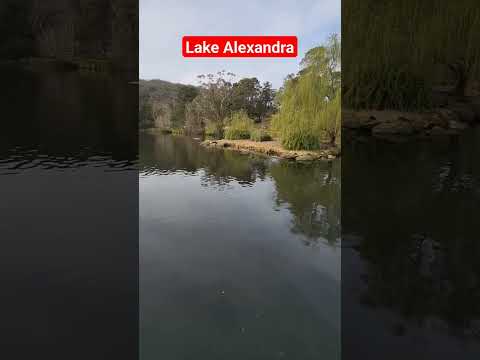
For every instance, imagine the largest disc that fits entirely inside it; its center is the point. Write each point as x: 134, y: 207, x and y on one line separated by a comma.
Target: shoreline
x: 449, y: 120
x: 274, y: 148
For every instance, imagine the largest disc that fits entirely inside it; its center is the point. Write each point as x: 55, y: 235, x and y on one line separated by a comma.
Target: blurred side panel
x: 411, y: 179
x: 69, y: 179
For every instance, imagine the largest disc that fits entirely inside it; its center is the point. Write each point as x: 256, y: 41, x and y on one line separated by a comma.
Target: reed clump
x: 398, y: 53
x: 260, y: 135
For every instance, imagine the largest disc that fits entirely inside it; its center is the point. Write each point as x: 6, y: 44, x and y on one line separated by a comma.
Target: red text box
x: 240, y: 46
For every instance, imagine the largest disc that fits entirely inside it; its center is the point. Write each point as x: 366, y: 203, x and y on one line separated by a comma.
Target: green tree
x: 253, y: 98
x: 324, y: 62
x: 144, y: 109
x: 309, y: 102
x: 245, y: 95
x: 185, y: 95
x: 212, y: 106
x: 266, y: 101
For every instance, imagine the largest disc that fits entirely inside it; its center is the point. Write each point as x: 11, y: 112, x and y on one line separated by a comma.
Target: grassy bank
x: 274, y: 148
x: 308, y: 115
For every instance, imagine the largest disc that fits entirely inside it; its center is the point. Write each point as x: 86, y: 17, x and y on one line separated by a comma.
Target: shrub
x: 236, y: 134
x: 296, y: 139
x: 214, y: 130
x: 260, y: 135
x: 239, y: 126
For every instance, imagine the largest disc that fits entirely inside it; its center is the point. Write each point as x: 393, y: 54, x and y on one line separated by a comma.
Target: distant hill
x: 160, y: 89
x: 162, y: 103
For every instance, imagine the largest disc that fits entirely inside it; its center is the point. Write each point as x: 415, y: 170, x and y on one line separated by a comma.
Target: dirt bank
x: 274, y: 148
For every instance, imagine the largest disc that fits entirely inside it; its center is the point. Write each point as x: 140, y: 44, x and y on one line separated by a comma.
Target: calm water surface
x: 239, y: 255
x: 411, y: 249
x: 69, y: 201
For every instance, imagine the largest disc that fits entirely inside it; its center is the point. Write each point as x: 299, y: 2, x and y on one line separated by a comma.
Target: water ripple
x: 18, y: 159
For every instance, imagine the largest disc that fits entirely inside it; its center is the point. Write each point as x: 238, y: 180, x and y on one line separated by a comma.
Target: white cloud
x: 163, y: 23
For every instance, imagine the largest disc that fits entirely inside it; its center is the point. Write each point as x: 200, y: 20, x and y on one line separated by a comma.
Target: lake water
x: 411, y: 249
x: 239, y: 255
x: 69, y: 216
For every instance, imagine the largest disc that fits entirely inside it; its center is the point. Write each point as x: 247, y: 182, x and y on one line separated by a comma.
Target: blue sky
x: 163, y: 23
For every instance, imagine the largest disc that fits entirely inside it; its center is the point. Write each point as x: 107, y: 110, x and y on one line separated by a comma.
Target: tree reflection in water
x: 311, y: 192
x: 413, y: 220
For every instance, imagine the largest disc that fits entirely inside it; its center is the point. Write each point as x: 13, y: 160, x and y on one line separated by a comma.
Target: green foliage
x: 213, y: 130
x: 210, y: 108
x: 253, y: 98
x: 204, y: 108
x: 220, y: 96
x: 331, y: 119
x: 163, y: 104
x: 395, y: 58
x: 300, y: 139
x: 260, y: 135
x: 310, y: 113
x: 145, y: 111
x: 266, y: 102
x: 303, y: 189
x: 244, y: 96
x: 194, y: 120
x: 237, y: 134
x: 184, y: 96
x: 239, y: 126
x: 178, y: 131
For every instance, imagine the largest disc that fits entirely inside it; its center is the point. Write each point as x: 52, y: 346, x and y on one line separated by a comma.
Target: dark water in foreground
x: 240, y: 256
x: 69, y: 210
x: 411, y: 249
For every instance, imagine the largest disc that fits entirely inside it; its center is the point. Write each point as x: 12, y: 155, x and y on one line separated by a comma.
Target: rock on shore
x: 436, y: 122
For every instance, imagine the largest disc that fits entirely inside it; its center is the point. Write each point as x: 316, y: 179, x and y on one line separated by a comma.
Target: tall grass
x: 260, y: 135
x: 396, y: 52
x: 239, y: 126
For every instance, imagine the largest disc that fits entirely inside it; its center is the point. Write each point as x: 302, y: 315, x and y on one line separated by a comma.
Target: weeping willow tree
x: 309, y: 113
x: 398, y: 53
x: 314, y: 201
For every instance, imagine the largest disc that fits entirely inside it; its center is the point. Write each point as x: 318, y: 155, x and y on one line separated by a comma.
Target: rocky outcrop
x: 453, y: 119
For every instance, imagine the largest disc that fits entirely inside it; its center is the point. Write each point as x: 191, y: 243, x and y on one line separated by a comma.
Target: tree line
x: 193, y: 108
x: 303, y: 114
